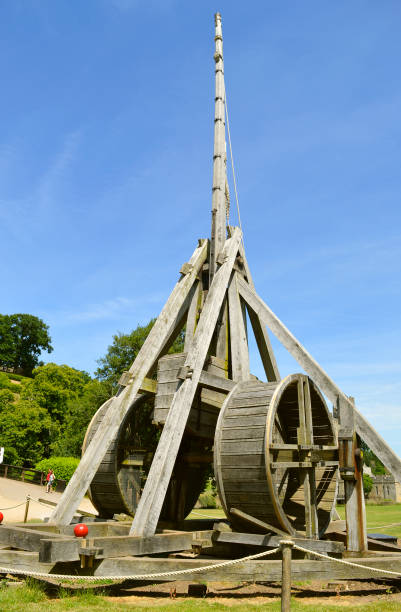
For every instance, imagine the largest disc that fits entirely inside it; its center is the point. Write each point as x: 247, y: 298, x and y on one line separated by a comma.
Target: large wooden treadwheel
x: 116, y: 486
x: 276, y: 455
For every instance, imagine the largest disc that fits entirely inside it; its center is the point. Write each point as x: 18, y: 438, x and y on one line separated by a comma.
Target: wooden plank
x: 67, y: 549
x: 373, y: 439
x: 238, y: 336
x: 217, y: 383
x: 256, y: 539
x: 153, y: 346
x: 249, y: 571
x: 256, y: 522
x: 25, y: 539
x: 192, y: 317
x: 150, y: 504
x: 260, y: 332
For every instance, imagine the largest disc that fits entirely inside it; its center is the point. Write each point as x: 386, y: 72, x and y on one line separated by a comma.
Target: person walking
x: 49, y: 481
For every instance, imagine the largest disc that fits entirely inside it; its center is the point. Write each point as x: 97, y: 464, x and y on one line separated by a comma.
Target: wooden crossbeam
x: 368, y: 433
x: 238, y: 336
x: 260, y: 332
x: 147, y: 356
x: 152, y: 498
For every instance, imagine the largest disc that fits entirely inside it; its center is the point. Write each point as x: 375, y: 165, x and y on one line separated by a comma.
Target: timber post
x: 286, y: 551
x: 351, y: 471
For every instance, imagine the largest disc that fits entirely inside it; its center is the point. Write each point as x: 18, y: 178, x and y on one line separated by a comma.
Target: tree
x: 121, y: 354
x: 22, y: 339
x: 53, y: 386
x: 24, y: 431
x: 370, y: 459
x: 77, y: 418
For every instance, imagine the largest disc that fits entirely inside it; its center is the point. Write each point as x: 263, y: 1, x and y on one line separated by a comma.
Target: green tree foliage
x: 6, y: 400
x: 370, y: 459
x: 77, y: 418
x: 63, y: 467
x: 53, y: 386
x: 25, y: 429
x: 121, y: 354
x: 367, y: 484
x: 22, y: 339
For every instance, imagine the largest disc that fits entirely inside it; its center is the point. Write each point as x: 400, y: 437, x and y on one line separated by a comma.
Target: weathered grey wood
x: 150, y: 351
x: 353, y: 484
x: 252, y: 571
x: 286, y: 553
x: 260, y: 333
x: 67, y: 549
x: 268, y: 540
x: 320, y: 377
x: 20, y: 537
x: 238, y: 337
x: 218, y: 234
x: 152, y: 498
x: 54, y: 504
x: 256, y: 522
x: 217, y: 383
x: 193, y: 315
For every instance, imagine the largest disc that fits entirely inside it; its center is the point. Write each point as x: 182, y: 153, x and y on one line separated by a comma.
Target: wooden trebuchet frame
x: 211, y: 299
x: 153, y: 347
x: 372, y: 438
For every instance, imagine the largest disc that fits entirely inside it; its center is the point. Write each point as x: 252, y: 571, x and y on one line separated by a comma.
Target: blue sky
x: 106, y: 165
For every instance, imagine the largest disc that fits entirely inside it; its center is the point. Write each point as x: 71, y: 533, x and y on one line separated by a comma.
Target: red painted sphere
x: 1, y: 517
x: 81, y: 530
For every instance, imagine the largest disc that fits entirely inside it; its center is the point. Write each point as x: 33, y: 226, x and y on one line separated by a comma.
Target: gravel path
x: 14, y: 492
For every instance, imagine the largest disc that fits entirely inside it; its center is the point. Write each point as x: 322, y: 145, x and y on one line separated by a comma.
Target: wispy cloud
x: 110, y: 309
x: 25, y: 215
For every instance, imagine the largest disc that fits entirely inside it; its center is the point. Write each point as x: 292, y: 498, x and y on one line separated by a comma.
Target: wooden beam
x: 25, y: 539
x: 150, y: 504
x: 238, y: 337
x: 192, y: 317
x: 260, y: 332
x: 255, y: 522
x: 217, y: 383
x: 67, y: 549
x: 151, y: 349
x: 256, y: 539
x: 218, y: 234
x: 373, y: 439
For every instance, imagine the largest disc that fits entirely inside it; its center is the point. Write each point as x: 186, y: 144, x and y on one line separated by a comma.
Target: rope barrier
x: 365, y: 567
x: 8, y: 570
x: 12, y: 507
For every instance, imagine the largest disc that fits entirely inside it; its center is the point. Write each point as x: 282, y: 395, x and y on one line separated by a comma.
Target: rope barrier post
x: 28, y: 499
x: 286, y: 551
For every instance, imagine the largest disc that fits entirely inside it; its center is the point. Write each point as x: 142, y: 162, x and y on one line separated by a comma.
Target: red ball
x: 81, y: 530
x: 1, y: 517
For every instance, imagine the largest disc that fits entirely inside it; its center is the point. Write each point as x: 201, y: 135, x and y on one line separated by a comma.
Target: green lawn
x: 377, y: 516
x: 32, y: 598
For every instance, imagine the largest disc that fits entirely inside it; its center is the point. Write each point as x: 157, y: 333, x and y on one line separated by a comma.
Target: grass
x: 376, y: 516
x: 32, y: 597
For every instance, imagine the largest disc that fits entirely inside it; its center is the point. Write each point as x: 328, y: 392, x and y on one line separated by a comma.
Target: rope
x: 383, y: 526
x: 232, y: 167
x: 371, y: 569
x: 9, y: 570
x: 12, y: 507
x: 208, y: 515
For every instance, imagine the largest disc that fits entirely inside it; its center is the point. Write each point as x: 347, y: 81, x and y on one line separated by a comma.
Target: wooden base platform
x: 45, y: 548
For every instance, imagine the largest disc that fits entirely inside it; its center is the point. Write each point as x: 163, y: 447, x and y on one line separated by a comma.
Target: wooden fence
x: 30, y: 475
